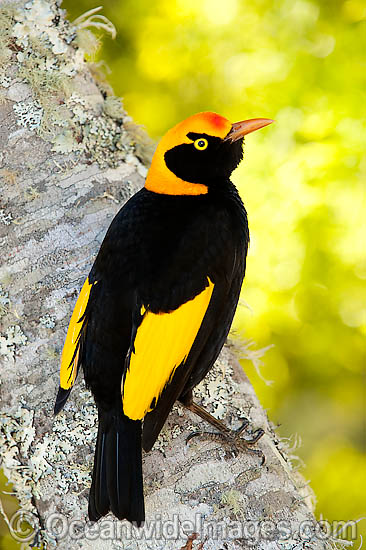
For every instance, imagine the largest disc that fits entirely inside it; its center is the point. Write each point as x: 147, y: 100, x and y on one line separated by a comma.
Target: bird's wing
x: 71, y: 353
x: 160, y: 344
x: 204, y: 351
x: 224, y: 264
x: 218, y: 324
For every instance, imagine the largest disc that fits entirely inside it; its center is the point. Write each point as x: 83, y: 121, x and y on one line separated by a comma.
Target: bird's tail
x: 117, y: 475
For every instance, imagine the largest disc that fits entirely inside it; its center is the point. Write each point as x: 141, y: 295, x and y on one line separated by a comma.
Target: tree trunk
x: 69, y: 159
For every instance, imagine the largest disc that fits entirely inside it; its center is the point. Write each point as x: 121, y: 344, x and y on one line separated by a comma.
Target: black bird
x: 159, y: 301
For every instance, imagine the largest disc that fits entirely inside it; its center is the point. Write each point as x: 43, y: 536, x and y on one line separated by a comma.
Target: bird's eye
x: 201, y: 144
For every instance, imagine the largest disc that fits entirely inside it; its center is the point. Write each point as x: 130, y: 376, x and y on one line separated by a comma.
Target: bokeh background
x: 301, y: 62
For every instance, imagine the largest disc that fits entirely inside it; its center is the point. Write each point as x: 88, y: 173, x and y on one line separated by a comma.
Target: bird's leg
x: 228, y: 435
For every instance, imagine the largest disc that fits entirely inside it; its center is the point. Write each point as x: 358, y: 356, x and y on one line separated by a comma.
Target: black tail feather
x: 92, y: 512
x: 117, y: 476
x: 101, y: 493
x: 61, y: 399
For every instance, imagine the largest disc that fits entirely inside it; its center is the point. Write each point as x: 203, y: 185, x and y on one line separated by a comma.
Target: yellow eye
x: 201, y: 144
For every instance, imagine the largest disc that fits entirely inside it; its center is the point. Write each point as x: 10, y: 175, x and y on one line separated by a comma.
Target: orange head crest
x: 190, y: 152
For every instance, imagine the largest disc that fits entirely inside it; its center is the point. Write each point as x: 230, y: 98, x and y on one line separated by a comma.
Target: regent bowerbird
x: 158, y: 303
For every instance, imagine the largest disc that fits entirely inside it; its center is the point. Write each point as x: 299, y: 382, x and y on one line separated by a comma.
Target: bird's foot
x: 232, y: 437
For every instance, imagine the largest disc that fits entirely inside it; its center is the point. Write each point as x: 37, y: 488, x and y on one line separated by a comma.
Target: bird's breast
x: 187, y: 240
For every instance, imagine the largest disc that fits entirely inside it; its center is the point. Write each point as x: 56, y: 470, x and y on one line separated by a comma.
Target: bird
x: 158, y: 303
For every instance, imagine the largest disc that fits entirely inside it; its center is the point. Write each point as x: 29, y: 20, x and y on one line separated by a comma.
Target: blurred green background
x: 302, y: 63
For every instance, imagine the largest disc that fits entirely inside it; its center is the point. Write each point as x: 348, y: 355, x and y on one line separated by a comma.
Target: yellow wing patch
x: 163, y: 342
x: 70, y: 352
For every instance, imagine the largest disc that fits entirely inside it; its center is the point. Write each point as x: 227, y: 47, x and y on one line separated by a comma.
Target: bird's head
x: 198, y: 152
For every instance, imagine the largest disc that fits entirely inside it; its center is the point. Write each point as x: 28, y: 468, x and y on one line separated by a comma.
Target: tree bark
x: 68, y: 162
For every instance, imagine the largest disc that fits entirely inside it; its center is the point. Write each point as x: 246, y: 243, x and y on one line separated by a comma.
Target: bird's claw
x: 233, y: 438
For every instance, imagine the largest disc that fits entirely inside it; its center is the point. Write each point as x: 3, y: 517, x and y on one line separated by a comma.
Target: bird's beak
x: 241, y: 129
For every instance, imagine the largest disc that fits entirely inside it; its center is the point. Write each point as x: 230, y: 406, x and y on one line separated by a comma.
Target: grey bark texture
x: 69, y: 159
